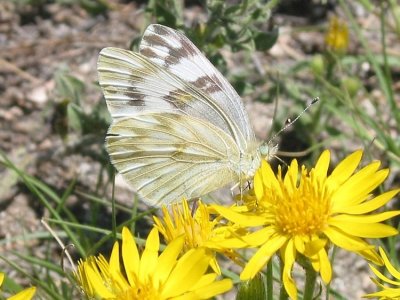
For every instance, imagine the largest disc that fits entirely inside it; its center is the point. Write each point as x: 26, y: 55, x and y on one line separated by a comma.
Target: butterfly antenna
x: 291, y: 122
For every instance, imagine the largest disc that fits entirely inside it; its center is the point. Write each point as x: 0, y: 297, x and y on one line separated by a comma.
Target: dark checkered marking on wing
x: 129, y: 91
x: 185, y: 50
x: 208, y: 84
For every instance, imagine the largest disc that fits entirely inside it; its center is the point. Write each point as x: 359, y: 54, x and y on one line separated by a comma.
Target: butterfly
x: 179, y: 129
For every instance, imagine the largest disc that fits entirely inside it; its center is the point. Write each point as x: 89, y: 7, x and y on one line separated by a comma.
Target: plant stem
x: 309, y: 287
x: 270, y: 280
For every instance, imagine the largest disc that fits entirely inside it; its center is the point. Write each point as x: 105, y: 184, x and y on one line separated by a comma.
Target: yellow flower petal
x: 322, y: 165
x: 168, y: 258
x: 314, y: 247
x: 375, y: 218
x: 371, y: 255
x: 149, y: 258
x: 325, y: 266
x: 258, y: 184
x: 239, y: 218
x: 383, y: 277
x: 290, y: 180
x: 345, y: 168
x: 187, y: 272
x: 114, y: 267
x: 261, y: 257
x: 227, y: 243
x: 114, y: 259
x: 388, y: 265
x: 199, y: 228
x: 369, y: 205
x: 167, y: 276
x: 215, y: 288
x: 1, y: 278
x: 299, y: 242
x: 96, y: 281
x: 289, y: 259
x: 374, y: 181
x: 388, y: 293
x: 359, y: 186
x: 259, y: 237
x: 26, y: 294
x: 373, y: 230
x: 130, y: 254
x: 346, y: 241
x: 205, y: 280
x: 268, y: 177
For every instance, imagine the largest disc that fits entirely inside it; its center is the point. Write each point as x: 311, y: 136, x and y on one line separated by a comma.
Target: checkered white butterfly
x: 179, y: 128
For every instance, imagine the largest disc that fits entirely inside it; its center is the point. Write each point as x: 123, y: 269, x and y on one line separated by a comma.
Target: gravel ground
x: 35, y: 45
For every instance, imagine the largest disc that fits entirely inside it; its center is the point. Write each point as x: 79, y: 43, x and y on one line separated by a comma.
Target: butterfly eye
x: 264, y: 150
x: 267, y: 151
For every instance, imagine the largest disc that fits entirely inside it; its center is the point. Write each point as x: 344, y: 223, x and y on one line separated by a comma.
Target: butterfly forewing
x: 175, y: 52
x: 132, y: 84
x: 167, y: 156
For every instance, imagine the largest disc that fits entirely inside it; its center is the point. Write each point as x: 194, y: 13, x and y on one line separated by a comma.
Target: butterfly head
x: 268, y: 150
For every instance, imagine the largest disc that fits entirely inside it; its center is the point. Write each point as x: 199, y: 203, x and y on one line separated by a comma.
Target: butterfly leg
x: 195, y: 205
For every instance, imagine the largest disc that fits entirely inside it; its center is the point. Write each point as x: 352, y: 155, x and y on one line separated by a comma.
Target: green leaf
x: 165, y: 16
x: 69, y: 87
x: 253, y: 289
x: 75, y: 117
x: 265, y: 40
x: 94, y: 7
x: 233, y: 10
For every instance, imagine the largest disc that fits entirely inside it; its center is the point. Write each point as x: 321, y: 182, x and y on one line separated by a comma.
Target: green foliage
x: 254, y: 289
x: 240, y: 26
x: 345, y: 93
x: 370, y: 128
x: 78, y: 230
x: 93, y: 7
x: 70, y: 92
x: 167, y: 12
x: 69, y: 116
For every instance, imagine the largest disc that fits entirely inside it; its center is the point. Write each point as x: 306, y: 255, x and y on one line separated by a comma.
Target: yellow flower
x: 197, y: 229
x: 149, y: 275
x: 387, y: 292
x: 337, y: 37
x: 303, y: 212
x: 26, y: 294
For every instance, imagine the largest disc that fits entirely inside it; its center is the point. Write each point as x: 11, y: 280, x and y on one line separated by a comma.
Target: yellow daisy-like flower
x: 337, y: 36
x: 26, y: 294
x: 387, y: 292
x: 302, y: 212
x: 150, y: 276
x: 198, y: 229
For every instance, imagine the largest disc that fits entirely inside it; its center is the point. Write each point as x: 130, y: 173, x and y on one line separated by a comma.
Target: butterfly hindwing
x: 167, y: 156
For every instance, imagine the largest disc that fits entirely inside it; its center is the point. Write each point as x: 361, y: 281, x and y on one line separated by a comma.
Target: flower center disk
x: 303, y: 206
